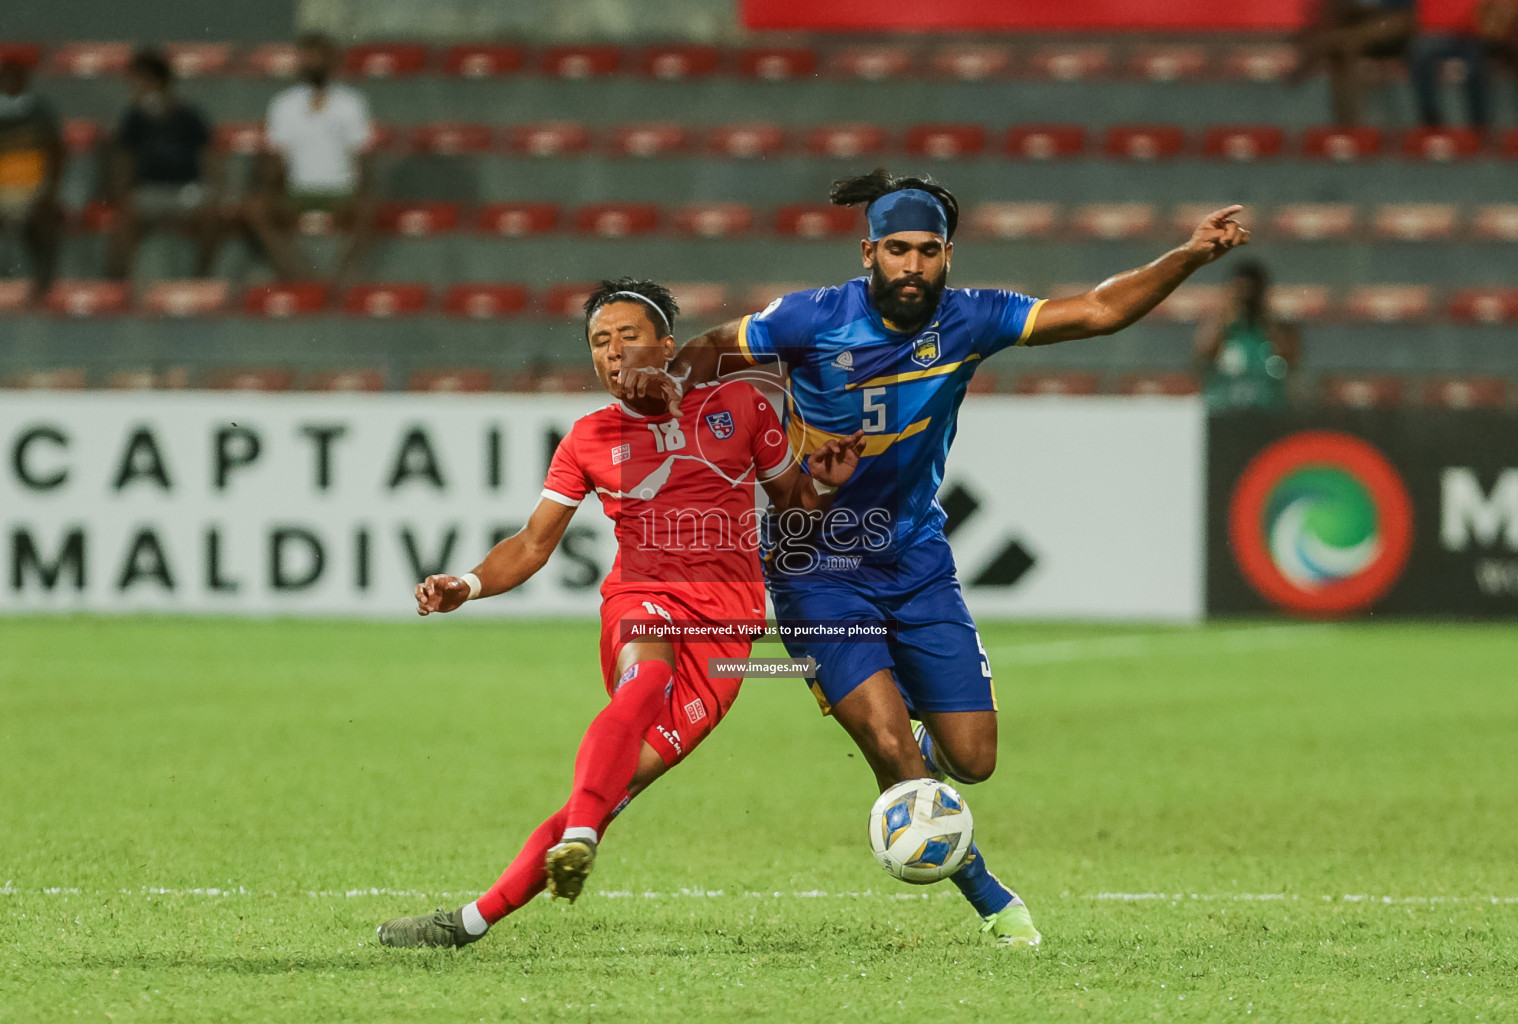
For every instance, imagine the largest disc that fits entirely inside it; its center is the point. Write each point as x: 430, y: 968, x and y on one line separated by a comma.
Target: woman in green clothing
x: 1244, y: 352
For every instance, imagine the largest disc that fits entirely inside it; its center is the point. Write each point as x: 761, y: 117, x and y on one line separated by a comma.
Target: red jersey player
x: 680, y: 490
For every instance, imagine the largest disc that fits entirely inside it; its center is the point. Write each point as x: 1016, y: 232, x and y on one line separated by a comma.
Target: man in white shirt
x: 318, y: 134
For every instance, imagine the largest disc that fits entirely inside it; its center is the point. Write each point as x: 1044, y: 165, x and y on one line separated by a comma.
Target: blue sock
x: 925, y: 744
x: 983, y: 889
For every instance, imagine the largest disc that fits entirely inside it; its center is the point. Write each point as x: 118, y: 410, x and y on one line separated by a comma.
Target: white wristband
x: 474, y: 584
x: 822, y: 489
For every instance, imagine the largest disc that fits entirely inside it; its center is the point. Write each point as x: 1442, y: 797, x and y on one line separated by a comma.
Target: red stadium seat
x: 699, y: 298
x: 91, y: 60
x: 94, y: 217
x: 382, y: 301
x: 381, y: 137
x: 61, y: 379
x: 1371, y: 391
x: 197, y: 60
x: 1190, y: 303
x: 1508, y: 146
x: 1057, y: 383
x: 1415, y: 222
x: 971, y: 63
x: 88, y: 298
x: 1260, y: 62
x: 818, y: 220
x: 778, y: 64
x: 617, y: 220
x: 581, y: 61
x: 1170, y: 63
x: 450, y: 138
x: 565, y: 380
x: 567, y: 300
x: 1152, y: 384
x: 1072, y: 62
x: 242, y: 137
x: 553, y: 138
x: 1441, y: 144
x: 80, y: 137
x: 1144, y: 142
x: 344, y: 380
x: 173, y: 379
x: 1485, y: 305
x: 1314, y: 221
x: 1242, y: 143
x: 714, y: 220
x: 417, y: 219
x: 845, y: 141
x: 946, y: 141
x: 28, y: 55
x: 1466, y: 392
x: 747, y: 141
x: 673, y: 63
x: 250, y: 378
x: 1389, y: 303
x: 1114, y: 220
x: 185, y: 298
x: 274, y: 60
x: 1299, y: 301
x: 515, y: 220
x: 1046, y: 141
x: 14, y: 294
x: 1014, y: 220
x: 296, y: 298
x: 648, y: 140
x: 449, y: 380
x: 872, y: 62
x: 385, y: 60
x: 485, y: 301
x: 1341, y: 144
x: 482, y: 61
x: 1497, y: 222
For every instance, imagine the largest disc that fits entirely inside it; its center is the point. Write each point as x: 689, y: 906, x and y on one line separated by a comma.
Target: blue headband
x: 911, y: 209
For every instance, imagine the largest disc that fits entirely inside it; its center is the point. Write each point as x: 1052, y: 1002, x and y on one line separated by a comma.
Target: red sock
x: 526, y: 876
x: 608, y: 757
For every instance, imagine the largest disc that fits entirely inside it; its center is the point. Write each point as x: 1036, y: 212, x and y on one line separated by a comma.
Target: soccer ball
x: 921, y: 830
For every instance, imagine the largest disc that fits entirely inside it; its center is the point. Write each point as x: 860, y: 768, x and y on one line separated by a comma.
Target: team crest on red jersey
x: 721, y: 424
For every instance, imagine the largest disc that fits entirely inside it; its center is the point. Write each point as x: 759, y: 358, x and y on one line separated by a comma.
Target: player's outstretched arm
x: 830, y: 465
x: 702, y: 359
x: 1122, y: 300
x: 509, y: 564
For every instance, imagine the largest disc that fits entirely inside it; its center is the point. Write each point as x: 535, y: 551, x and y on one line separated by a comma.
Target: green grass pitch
x: 205, y: 820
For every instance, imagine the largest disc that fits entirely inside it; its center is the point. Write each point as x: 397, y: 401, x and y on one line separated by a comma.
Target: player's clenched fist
x: 1217, y: 233
x: 440, y: 594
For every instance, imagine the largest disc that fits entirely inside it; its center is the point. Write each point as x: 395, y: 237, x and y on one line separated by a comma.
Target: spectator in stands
x: 1340, y: 33
x: 31, y: 164
x: 318, y: 163
x: 1244, y: 351
x: 1490, y: 37
x: 163, y: 172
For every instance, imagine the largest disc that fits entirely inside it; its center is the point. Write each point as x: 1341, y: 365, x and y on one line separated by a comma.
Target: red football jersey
x: 680, y: 491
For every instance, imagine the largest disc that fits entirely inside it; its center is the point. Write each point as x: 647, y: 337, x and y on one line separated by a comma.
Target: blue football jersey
x: 850, y: 370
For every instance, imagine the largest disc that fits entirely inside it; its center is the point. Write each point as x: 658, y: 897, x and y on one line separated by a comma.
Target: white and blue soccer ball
x: 921, y: 830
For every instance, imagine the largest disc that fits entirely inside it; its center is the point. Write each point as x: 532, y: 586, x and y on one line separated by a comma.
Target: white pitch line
x: 1173, y: 642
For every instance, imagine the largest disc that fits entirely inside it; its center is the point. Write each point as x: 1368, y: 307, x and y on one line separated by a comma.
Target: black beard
x: 905, y: 313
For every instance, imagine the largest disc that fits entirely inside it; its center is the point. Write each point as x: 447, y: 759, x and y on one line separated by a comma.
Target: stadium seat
x: 1343, y: 145
x: 673, y: 63
x: 648, y: 140
x: 1497, y: 222
x: 1465, y: 392
x: 845, y: 141
x: 385, y: 60
x: 297, y: 298
x: 1415, y: 222
x: 561, y: 380
x: 567, y: 301
x: 1299, y: 302
x: 515, y: 220
x: 1485, y: 305
x: 1014, y: 220
x: 1242, y: 143
x: 1170, y: 63
x: 485, y: 301
x: 777, y: 64
x: 1171, y: 384
x: 1144, y: 142
x: 946, y: 141
x: 1189, y: 303
x: 175, y: 378
x: 343, y: 380
x: 983, y: 383
x: 251, y: 378
x: 971, y: 63
x: 61, y: 379
x: 617, y: 220
x: 1046, y: 141
x: 699, y: 298
x: 1312, y: 222
x: 449, y: 380
x: 88, y: 298
x: 80, y: 137
x: 94, y: 217
x: 817, y: 220
x: 1260, y: 62
x: 713, y: 220
x: 28, y: 55
x: 482, y: 61
x: 91, y: 60
x: 198, y: 60
x: 1389, y: 303
x: 581, y: 61
x: 185, y: 298
x: 1441, y: 144
x: 382, y: 301
x: 1372, y: 391
x: 1114, y: 220
x: 14, y: 293
x: 241, y: 137
x: 746, y: 141
x: 554, y: 138
x: 1072, y: 62
x: 274, y: 60
x: 871, y: 62
x: 450, y: 138
x: 417, y: 220
x: 1075, y: 382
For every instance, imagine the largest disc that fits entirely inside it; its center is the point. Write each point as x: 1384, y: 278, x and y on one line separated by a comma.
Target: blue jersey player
x: 892, y: 354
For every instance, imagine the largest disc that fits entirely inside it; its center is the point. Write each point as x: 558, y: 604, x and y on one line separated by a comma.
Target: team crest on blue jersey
x: 925, y: 349
x: 721, y: 424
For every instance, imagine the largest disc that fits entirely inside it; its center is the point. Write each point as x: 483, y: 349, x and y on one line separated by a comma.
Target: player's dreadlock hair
x: 866, y: 188
x: 654, y: 297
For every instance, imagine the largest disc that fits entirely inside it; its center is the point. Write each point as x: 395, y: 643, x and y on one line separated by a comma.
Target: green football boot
x: 1013, y: 927
x: 569, y: 864
x: 439, y: 928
